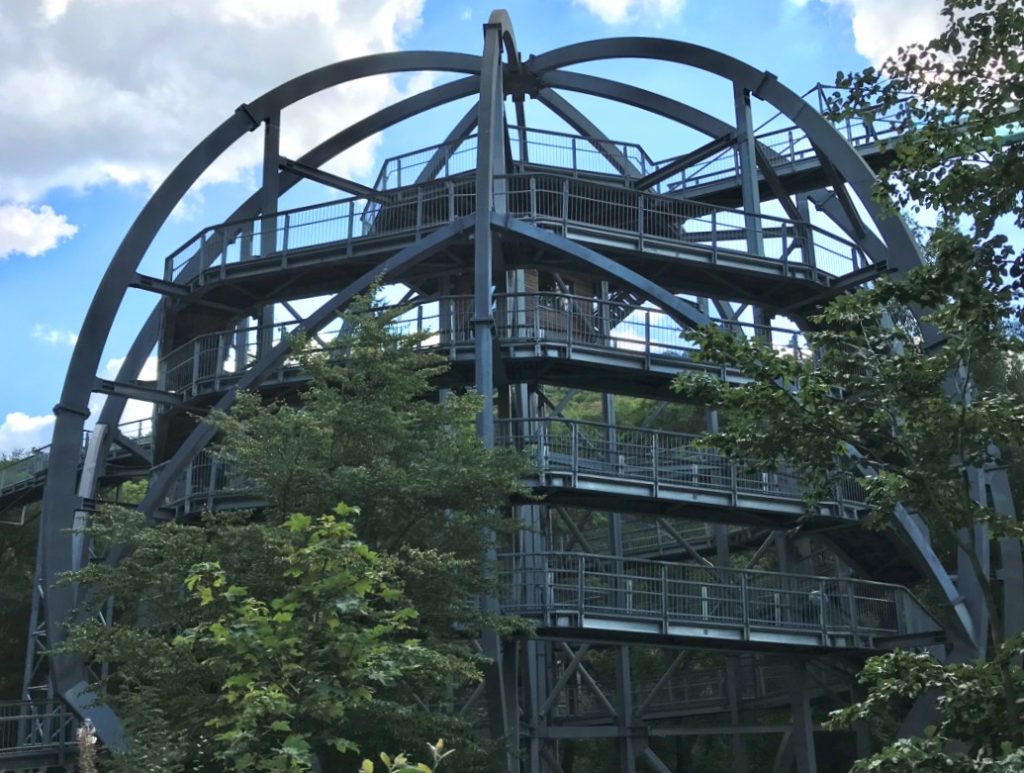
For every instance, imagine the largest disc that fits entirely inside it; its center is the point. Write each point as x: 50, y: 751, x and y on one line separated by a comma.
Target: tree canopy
x: 919, y: 420
x: 304, y: 629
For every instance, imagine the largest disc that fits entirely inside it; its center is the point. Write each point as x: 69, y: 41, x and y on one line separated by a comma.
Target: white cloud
x: 21, y: 432
x: 31, y: 230
x: 622, y: 11
x: 882, y: 26
x: 53, y: 336
x: 118, y: 91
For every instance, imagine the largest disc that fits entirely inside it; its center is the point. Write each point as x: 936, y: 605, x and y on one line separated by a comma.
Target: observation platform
x: 554, y: 338
x: 692, y: 247
x: 604, y: 598
x: 22, y: 481
x: 36, y: 735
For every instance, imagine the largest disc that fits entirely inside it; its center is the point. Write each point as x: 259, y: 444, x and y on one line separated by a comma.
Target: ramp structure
x: 543, y: 264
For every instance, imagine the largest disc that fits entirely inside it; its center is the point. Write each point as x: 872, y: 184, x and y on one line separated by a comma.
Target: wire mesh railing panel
x: 666, y: 593
x: 32, y: 725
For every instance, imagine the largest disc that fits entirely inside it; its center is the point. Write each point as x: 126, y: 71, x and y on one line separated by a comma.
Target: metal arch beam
x: 322, y: 153
x: 577, y: 120
x: 59, y: 501
x: 201, y: 436
x: 766, y: 86
x: 681, y: 311
x: 458, y: 133
x: 634, y: 96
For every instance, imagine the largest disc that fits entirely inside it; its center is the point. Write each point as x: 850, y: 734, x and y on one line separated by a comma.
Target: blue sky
x: 100, y: 98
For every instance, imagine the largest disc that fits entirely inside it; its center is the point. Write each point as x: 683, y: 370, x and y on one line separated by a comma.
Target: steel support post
x: 627, y: 746
x: 739, y: 762
x: 803, y: 721
x: 490, y: 163
x: 1011, y: 570
x: 269, y: 195
x: 746, y: 153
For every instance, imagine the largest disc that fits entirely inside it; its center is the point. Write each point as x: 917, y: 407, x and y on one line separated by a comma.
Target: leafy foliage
x: 914, y: 413
x: 258, y: 640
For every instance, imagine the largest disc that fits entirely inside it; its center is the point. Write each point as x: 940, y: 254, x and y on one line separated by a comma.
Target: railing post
x: 195, y: 365
x: 284, y: 240
x: 852, y: 601
x: 575, y: 444
x: 533, y: 198
x: 419, y: 211
x: 744, y: 606
x: 572, y: 141
x: 640, y: 220
x: 823, y: 611
x: 655, y: 468
x: 647, y: 339
x: 351, y: 225
x: 580, y: 589
x: 714, y: 236
x: 565, y: 207
x: 221, y: 359
x: 664, y: 598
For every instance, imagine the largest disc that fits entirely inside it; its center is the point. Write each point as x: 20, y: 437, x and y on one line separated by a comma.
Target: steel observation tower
x: 545, y: 265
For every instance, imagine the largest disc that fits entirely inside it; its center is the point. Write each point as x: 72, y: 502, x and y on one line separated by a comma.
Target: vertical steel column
x: 746, y: 151
x: 740, y: 762
x: 268, y: 226
x: 803, y: 722
x: 490, y: 162
x: 1011, y: 571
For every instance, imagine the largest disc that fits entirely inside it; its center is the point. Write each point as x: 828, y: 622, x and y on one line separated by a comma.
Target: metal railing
x: 638, y: 334
x: 560, y: 202
x: 207, y: 479
x: 567, y: 589
x: 570, y: 152
x: 27, y: 726
x: 664, y: 459
x: 31, y: 468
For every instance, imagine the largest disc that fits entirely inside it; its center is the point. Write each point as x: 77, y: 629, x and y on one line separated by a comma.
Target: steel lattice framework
x: 579, y: 273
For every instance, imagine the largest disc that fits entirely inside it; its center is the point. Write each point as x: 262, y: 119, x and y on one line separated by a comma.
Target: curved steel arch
x: 317, y: 156
x: 763, y: 84
x: 59, y: 499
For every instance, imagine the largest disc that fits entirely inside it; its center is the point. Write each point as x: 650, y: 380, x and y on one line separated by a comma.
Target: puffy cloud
x: 21, y: 432
x: 622, y: 11
x: 882, y: 26
x: 31, y: 230
x: 101, y: 91
x: 53, y: 336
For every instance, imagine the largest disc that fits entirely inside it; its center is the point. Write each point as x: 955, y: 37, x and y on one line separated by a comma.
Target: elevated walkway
x: 36, y: 735
x: 22, y: 481
x: 691, y: 246
x: 663, y: 473
x: 576, y: 595
x: 554, y: 338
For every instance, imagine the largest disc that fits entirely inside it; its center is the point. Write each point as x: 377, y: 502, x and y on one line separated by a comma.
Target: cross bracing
x: 541, y: 264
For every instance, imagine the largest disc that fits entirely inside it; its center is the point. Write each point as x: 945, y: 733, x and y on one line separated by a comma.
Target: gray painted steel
x: 490, y: 225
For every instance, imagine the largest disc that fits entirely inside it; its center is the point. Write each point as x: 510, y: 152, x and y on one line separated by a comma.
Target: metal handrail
x: 31, y: 467
x: 212, y: 360
x: 584, y: 448
x: 558, y: 201
x: 561, y: 588
x: 35, y: 726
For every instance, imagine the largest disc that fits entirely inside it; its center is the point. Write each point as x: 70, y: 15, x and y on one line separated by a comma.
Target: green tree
x: 253, y: 640
x: 912, y: 423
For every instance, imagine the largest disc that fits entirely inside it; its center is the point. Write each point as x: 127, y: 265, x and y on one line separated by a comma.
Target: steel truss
x: 634, y: 550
